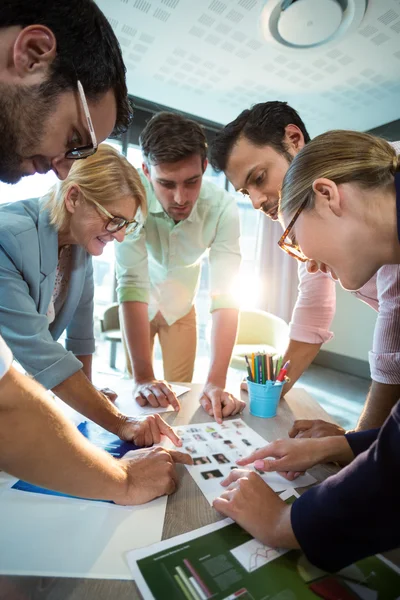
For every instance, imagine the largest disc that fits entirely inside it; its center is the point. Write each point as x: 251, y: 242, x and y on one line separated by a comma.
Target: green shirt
x: 161, y: 263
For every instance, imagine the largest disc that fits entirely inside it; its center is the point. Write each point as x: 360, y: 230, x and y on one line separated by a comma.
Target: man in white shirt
x: 158, y: 271
x: 44, y: 128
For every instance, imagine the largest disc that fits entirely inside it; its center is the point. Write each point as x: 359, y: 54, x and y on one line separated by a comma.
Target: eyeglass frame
x: 125, y: 223
x: 282, y: 240
x: 89, y: 149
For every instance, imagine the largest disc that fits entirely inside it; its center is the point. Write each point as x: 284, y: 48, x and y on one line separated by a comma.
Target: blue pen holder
x: 264, y: 398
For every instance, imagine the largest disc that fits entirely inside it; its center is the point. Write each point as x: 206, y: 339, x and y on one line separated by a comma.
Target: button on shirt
x: 160, y: 265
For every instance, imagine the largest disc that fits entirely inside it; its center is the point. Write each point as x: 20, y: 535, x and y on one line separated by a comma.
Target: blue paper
x: 100, y: 438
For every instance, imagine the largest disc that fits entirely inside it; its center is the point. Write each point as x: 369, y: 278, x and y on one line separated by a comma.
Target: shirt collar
x: 397, y: 186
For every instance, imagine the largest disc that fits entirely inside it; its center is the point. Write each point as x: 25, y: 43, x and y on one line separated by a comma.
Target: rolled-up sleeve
x: 314, y: 309
x: 225, y: 258
x: 354, y: 514
x: 80, y: 335
x: 384, y: 358
x: 27, y: 332
x: 132, y: 269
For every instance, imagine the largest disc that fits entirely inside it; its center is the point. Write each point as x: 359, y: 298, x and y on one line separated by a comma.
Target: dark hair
x: 169, y: 137
x: 263, y: 125
x: 87, y: 48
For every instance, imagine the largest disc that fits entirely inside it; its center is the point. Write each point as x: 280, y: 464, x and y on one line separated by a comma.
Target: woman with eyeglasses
x: 46, y: 282
x: 340, y: 201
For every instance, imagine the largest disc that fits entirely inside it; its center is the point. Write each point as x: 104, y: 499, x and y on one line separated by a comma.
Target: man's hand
x: 292, y: 457
x: 315, y: 429
x: 150, y: 474
x: 156, y: 393
x: 257, y: 508
x: 146, y: 431
x: 110, y: 394
x: 218, y: 403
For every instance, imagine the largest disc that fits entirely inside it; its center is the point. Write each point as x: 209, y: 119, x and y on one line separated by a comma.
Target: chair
x: 258, y: 331
x: 110, y: 329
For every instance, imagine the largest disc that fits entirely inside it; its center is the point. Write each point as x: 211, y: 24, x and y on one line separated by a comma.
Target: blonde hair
x: 101, y: 177
x: 341, y: 156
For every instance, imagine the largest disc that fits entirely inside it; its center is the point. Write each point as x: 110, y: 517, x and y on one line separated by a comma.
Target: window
x: 248, y: 286
x: 103, y: 269
x: 134, y: 156
x: 33, y: 186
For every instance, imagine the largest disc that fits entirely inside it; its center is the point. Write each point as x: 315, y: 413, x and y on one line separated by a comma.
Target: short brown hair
x: 341, y: 156
x: 169, y: 137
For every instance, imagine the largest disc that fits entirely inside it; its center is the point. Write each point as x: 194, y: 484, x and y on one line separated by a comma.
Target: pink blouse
x: 315, y: 309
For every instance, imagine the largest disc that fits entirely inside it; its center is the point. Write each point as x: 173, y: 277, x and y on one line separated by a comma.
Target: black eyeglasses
x: 117, y: 223
x: 84, y: 151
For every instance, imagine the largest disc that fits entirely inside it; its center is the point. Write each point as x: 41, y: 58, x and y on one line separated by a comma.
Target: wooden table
x: 187, y: 509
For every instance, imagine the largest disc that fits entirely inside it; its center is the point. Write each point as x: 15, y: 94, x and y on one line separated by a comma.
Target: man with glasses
x: 255, y: 151
x: 46, y: 122
x: 61, y: 74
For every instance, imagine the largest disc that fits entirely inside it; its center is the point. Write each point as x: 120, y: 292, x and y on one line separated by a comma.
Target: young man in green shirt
x: 158, y: 270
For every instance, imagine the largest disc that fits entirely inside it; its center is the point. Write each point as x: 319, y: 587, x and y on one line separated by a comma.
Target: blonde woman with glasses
x: 340, y: 203
x: 46, y: 282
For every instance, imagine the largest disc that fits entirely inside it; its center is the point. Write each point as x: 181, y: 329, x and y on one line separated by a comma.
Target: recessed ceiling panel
x: 207, y: 57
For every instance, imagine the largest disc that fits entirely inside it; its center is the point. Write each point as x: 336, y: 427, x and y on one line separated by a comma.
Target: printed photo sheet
x: 215, y: 449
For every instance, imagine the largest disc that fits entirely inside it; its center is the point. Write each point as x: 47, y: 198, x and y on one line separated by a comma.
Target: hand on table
x: 150, y: 473
x: 156, y: 393
x: 315, y: 429
x: 218, y: 403
x: 146, y: 431
x: 110, y: 394
x: 256, y: 507
x: 289, y: 457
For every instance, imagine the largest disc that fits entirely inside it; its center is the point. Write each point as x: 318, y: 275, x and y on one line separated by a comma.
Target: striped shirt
x: 315, y: 309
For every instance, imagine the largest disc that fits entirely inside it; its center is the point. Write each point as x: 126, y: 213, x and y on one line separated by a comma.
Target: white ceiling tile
x: 166, y: 42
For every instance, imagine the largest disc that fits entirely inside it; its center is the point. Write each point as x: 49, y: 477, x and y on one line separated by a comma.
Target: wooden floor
x: 341, y: 395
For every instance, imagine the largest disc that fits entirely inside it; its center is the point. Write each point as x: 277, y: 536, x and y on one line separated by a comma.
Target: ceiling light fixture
x: 309, y: 24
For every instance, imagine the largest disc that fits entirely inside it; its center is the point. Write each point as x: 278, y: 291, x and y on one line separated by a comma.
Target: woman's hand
x: 286, y: 456
x: 259, y: 510
x: 146, y: 431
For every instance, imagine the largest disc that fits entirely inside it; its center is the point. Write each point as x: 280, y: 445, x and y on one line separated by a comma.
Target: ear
x: 34, y: 50
x: 146, y: 171
x: 294, y: 139
x: 327, y: 196
x: 205, y: 165
x: 71, y: 198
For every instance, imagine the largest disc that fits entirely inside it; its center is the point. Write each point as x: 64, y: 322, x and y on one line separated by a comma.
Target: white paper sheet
x: 215, y: 448
x: 53, y: 536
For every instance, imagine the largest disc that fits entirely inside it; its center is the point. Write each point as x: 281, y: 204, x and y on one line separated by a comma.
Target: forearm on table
x: 78, y: 392
x: 86, y: 360
x: 281, y: 534
x: 136, y: 328
x: 38, y: 444
x: 380, y: 401
x: 223, y: 337
x: 301, y: 355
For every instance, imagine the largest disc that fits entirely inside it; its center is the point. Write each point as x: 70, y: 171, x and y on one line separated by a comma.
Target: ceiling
x: 208, y: 58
